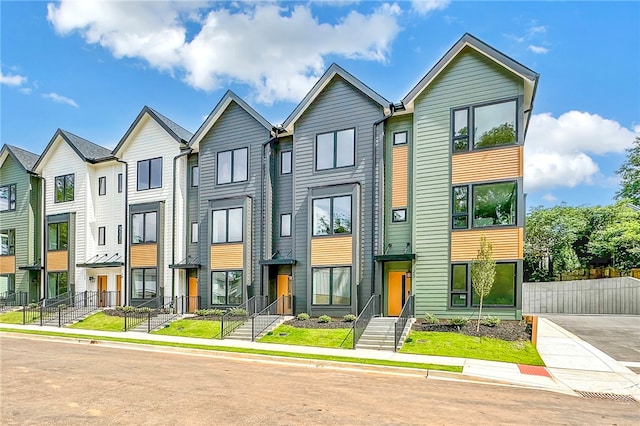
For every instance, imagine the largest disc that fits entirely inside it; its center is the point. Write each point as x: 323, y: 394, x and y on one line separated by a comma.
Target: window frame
x: 232, y: 166
x: 465, y: 214
x: 64, y: 179
x: 393, y: 218
x: 144, y: 228
x: 11, y: 282
x: 406, y: 138
x: 468, y: 291
x: 102, y: 186
x: 144, y: 282
x: 119, y: 234
x: 331, y: 215
x: 57, y: 226
x: 57, y: 274
x: 119, y: 183
x: 331, y: 287
x: 226, y: 286
x: 282, y: 233
x: 11, y: 197
x: 150, y: 162
x: 335, y: 150
x: 194, y: 237
x: 289, y: 162
x: 102, y: 235
x: 11, y: 241
x: 471, y: 205
x: 226, y: 240
x: 471, y: 124
x: 195, y: 176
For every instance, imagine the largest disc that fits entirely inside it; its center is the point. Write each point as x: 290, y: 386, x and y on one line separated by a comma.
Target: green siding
x: 468, y: 79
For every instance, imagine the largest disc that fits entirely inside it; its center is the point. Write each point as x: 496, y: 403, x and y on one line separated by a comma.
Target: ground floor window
x: 503, y: 292
x: 57, y: 284
x: 7, y: 284
x: 144, y: 283
x: 226, y: 287
x: 331, y: 286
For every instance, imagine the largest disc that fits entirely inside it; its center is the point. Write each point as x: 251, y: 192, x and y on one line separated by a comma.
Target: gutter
x: 44, y: 239
x: 125, y: 233
x: 173, y: 221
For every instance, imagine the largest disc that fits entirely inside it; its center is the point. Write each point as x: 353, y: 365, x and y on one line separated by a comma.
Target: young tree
x: 629, y: 174
x: 483, y: 273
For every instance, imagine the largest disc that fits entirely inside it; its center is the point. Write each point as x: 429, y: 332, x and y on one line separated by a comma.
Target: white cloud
x: 423, y: 7
x: 277, y: 50
x: 537, y: 29
x: 549, y: 197
x: 60, y: 99
x: 538, y: 49
x: 25, y: 90
x: 12, y: 80
x: 558, y: 151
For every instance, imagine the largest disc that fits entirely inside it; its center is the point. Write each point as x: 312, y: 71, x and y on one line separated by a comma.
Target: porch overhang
x: 394, y: 257
x: 102, y: 261
x: 34, y: 267
x: 187, y: 263
x: 268, y: 262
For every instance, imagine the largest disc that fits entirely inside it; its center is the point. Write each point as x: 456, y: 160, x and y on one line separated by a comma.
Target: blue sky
x: 89, y: 67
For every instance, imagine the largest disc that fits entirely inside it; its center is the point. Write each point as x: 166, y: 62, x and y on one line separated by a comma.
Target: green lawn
x: 100, y: 321
x: 192, y: 328
x: 14, y: 317
x: 460, y: 345
x: 324, y: 338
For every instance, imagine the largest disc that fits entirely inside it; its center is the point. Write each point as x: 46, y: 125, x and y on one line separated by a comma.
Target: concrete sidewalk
x: 572, y: 365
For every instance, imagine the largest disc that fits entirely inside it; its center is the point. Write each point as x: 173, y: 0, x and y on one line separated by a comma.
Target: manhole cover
x: 607, y: 396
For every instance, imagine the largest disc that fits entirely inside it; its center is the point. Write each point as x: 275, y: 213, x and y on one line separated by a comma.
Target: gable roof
x: 177, y: 132
x: 317, y: 88
x: 25, y: 158
x: 217, y: 111
x: 86, y: 150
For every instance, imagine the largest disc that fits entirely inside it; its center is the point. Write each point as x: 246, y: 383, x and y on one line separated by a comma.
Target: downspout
x: 44, y: 238
x: 125, y: 233
x: 173, y: 221
x: 263, y: 242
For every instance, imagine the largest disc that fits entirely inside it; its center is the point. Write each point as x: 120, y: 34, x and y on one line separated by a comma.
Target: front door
x: 118, y: 289
x: 284, y: 289
x: 399, y: 288
x: 193, y: 294
x: 102, y: 291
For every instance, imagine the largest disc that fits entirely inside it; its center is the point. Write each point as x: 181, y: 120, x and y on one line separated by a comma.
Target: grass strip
x: 100, y: 321
x: 324, y: 338
x: 366, y: 361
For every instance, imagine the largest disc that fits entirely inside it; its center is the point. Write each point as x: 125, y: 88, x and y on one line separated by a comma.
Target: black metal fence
x: 10, y: 299
x: 237, y: 316
x: 269, y: 315
x: 134, y: 316
x: 405, y: 316
x: 370, y: 310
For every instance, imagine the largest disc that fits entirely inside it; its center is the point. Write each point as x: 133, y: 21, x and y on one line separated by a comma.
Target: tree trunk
x: 479, y: 315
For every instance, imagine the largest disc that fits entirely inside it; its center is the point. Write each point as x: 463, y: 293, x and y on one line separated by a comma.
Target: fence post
x: 24, y: 314
x: 59, y: 316
x: 148, y: 322
x: 41, y: 314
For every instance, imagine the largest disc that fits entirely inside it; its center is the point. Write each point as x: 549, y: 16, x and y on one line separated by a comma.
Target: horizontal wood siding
x: 400, y: 169
x: 331, y: 251
x: 226, y: 256
x: 144, y: 255
x: 7, y: 264
x: 486, y: 165
x: 57, y: 260
x: 507, y: 243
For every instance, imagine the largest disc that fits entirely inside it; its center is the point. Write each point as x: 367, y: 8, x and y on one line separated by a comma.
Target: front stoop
x: 244, y: 331
x: 380, y: 334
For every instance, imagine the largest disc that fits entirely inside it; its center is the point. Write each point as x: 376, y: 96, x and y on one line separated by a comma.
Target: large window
x: 7, y: 197
x: 102, y: 185
x: 332, y: 215
x: 285, y: 225
x: 144, y: 227
x: 226, y: 226
x: 502, y: 293
x: 494, y: 204
x: 150, y: 174
x: 336, y: 149
x: 64, y: 188
x: 57, y: 284
x: 485, y: 125
x: 195, y: 176
x: 144, y: 283
x: 285, y: 162
x: 226, y: 287
x: 7, y: 284
x: 58, y: 236
x: 233, y: 166
x: 7, y: 242
x: 332, y: 286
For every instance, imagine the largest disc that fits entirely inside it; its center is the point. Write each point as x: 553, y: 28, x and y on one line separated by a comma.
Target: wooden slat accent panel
x: 7, y: 264
x: 331, y: 251
x: 144, y: 255
x: 227, y: 256
x: 478, y: 166
x: 57, y: 260
x: 399, y: 176
x: 507, y: 243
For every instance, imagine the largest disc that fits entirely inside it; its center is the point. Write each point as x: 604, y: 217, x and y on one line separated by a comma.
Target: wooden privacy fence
x: 603, y: 296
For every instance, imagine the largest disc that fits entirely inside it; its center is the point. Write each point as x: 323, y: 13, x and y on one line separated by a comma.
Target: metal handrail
x: 231, y: 320
x: 9, y: 298
x: 259, y: 325
x: 369, y: 311
x: 135, y: 317
x: 406, y: 314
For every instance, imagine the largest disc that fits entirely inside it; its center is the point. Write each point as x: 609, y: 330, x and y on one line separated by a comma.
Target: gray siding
x: 192, y: 209
x: 339, y: 106
x: 235, y: 128
x: 468, y: 79
x: 282, y: 199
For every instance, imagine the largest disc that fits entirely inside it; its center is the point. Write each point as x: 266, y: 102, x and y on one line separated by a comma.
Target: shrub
x: 459, y: 321
x: 33, y: 305
x: 408, y: 340
x: 302, y: 316
x: 216, y: 312
x: 324, y: 318
x: 490, y: 321
x: 202, y: 312
x: 429, y: 318
x: 143, y: 310
x: 349, y: 318
x: 238, y: 312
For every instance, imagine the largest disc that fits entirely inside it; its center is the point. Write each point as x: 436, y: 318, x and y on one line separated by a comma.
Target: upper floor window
x: 7, y: 242
x: 226, y: 226
x: 144, y: 227
x: 102, y: 185
x: 194, y: 232
x: 332, y: 215
x: 233, y: 165
x: 119, y: 182
x: 64, y: 188
x: 119, y: 237
x: 7, y: 197
x: 102, y: 235
x: 58, y: 236
x: 285, y: 162
x: 400, y: 138
x: 493, y: 204
x: 485, y: 126
x: 150, y: 174
x: 336, y: 149
x: 285, y: 225
x: 195, y: 176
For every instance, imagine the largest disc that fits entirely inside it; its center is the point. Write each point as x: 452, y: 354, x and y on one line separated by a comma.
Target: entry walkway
x: 590, y: 370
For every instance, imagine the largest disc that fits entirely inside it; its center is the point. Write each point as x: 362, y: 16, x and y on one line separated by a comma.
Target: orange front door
x: 398, y: 290
x: 193, y: 294
x: 284, y: 289
x: 118, y: 289
x: 102, y: 291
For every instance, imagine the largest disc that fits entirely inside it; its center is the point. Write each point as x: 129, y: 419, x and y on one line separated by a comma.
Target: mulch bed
x: 313, y: 323
x: 507, y: 330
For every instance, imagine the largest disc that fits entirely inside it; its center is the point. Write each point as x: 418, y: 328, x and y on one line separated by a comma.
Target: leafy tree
x: 618, y: 238
x: 629, y: 174
x: 500, y: 135
x: 483, y: 273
